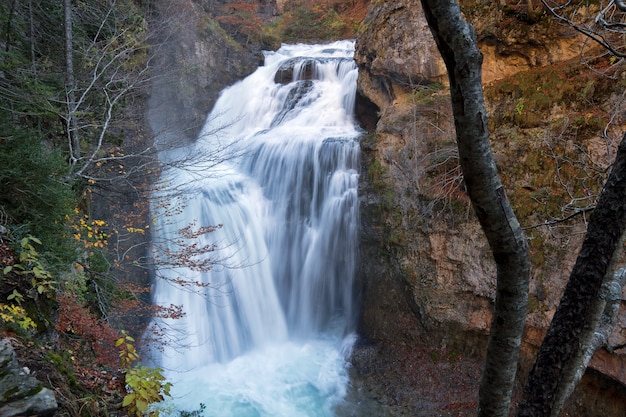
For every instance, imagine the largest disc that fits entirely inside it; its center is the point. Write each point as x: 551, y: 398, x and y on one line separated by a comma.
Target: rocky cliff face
x: 428, y: 275
x: 194, y: 60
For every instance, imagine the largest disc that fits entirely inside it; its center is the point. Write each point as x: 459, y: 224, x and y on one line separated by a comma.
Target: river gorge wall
x: 428, y: 275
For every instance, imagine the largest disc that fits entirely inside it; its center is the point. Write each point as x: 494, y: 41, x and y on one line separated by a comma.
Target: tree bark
x: 456, y: 41
x: 31, y: 27
x: 583, y: 313
x: 7, y: 42
x: 70, y: 81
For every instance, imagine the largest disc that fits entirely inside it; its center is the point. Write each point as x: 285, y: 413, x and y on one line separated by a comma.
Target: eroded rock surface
x: 193, y: 61
x: 21, y: 394
x: 428, y: 275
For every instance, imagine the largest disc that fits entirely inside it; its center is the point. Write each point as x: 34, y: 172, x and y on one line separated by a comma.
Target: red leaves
x: 91, y: 339
x: 193, y: 232
x: 7, y: 257
x: 189, y: 251
x: 242, y: 18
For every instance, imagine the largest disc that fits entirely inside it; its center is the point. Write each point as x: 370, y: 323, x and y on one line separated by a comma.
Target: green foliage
x: 531, y: 94
x: 42, y: 186
x: 15, y: 318
x: 553, y: 177
x: 393, y: 230
x: 28, y: 283
x: 34, y: 197
x: 64, y: 363
x: 376, y: 173
x: 550, y: 160
x: 317, y: 23
x: 112, y: 51
x: 145, y: 385
x: 128, y: 353
x: 30, y: 264
x: 424, y: 95
x: 519, y: 106
x: 32, y: 79
x: 37, y: 175
x: 195, y: 413
x: 110, y: 55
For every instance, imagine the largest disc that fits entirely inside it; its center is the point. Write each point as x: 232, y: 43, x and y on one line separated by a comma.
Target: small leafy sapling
x: 145, y: 385
x: 29, y: 264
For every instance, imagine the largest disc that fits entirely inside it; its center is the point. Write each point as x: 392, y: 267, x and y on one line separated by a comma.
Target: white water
x: 267, y: 331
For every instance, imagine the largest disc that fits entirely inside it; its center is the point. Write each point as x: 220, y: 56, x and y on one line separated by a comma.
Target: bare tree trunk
x: 70, y: 81
x: 456, y: 41
x: 7, y: 41
x: 31, y: 26
x: 586, y: 312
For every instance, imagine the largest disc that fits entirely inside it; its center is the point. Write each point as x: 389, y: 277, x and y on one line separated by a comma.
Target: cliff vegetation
x: 79, y: 131
x: 555, y: 105
x: 89, y: 91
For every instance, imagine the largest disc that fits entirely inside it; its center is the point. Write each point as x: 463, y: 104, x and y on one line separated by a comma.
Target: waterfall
x: 255, y: 238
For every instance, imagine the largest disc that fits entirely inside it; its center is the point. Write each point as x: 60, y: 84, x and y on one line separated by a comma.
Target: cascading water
x: 266, y: 329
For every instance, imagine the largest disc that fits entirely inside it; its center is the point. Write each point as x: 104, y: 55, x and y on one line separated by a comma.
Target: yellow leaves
x: 135, y: 230
x: 128, y: 400
x: 142, y: 406
x: 145, y: 385
x: 30, y: 265
x: 15, y: 315
x: 88, y: 232
x: 128, y: 354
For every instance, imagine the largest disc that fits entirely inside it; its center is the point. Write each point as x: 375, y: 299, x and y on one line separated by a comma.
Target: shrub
x: 34, y: 197
x: 15, y: 318
x: 145, y: 385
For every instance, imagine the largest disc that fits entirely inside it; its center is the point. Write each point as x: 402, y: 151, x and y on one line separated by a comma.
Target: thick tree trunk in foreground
x: 587, y: 309
x: 456, y: 41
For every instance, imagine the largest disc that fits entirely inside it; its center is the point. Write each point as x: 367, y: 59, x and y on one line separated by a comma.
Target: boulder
x: 396, y: 52
x: 20, y: 393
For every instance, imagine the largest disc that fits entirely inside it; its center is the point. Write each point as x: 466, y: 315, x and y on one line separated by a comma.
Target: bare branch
x: 604, y: 28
